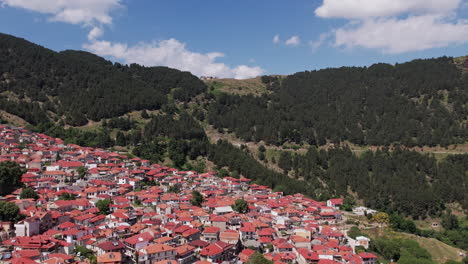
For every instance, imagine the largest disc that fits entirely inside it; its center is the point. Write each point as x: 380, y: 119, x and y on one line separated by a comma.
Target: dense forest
x: 402, y: 181
x: 422, y: 102
x: 78, y: 86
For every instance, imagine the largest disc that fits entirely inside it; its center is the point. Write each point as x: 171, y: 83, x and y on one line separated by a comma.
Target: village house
x: 156, y: 252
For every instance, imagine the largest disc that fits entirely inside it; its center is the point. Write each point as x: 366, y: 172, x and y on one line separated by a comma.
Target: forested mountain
x: 400, y: 180
x: 423, y: 102
x: 78, y: 86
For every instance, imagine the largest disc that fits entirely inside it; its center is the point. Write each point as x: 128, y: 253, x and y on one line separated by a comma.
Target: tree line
x: 77, y: 86
x: 422, y: 102
x: 398, y: 180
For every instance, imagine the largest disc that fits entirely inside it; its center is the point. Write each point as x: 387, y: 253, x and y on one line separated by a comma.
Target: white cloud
x: 173, y: 53
x: 315, y: 45
x: 293, y: 41
x: 352, y: 9
x: 395, y: 26
x: 391, y: 35
x: 95, y: 14
x: 95, y: 33
x: 87, y: 12
x: 276, y: 39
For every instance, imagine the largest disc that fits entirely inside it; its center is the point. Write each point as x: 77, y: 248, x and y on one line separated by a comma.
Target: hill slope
x: 77, y: 86
x: 422, y: 102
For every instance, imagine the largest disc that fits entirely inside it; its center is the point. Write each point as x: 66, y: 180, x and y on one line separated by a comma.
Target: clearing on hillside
x: 253, y: 86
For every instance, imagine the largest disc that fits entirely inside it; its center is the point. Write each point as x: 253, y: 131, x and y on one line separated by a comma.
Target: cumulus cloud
x: 352, y: 9
x: 95, y: 33
x: 174, y: 54
x: 395, y: 26
x: 88, y: 12
x: 293, y: 41
x: 392, y: 35
x: 315, y: 45
x: 276, y: 39
x: 95, y: 14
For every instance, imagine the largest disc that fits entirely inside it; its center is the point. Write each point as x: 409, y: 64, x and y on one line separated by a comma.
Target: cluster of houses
x: 151, y: 217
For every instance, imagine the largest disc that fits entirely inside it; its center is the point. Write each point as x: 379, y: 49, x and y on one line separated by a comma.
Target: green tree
x: 223, y: 173
x: 10, y: 177
x: 285, y: 161
x: 120, y: 139
x: 354, y: 232
x: 28, y: 193
x: 241, y: 206
x: 387, y: 248
x: 450, y: 222
x: 402, y: 224
x: 199, y: 166
x: 381, y: 218
x: 261, y: 156
x: 82, y: 172
x: 261, y: 148
x: 137, y: 201
x: 103, y: 206
x: 197, y: 198
x: 174, y: 188
x: 10, y: 212
x: 144, y: 114
x: 348, y: 203
x: 87, y: 253
x: 67, y: 196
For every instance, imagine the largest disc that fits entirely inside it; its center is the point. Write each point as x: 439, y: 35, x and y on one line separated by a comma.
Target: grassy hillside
x: 439, y: 251
x: 462, y: 63
x: 253, y: 86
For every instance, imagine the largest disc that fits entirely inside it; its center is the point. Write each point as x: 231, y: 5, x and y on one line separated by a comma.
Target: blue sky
x: 237, y: 38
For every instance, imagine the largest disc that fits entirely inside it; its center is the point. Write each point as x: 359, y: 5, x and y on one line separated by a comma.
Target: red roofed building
x: 219, y: 221
x: 138, y: 241
x: 307, y: 257
x: 368, y: 258
x: 110, y: 246
x: 245, y: 255
x: 42, y: 243
x: 22, y: 260
x: 156, y: 252
x: 230, y: 237
x: 217, y: 252
x: 335, y: 203
x: 327, y: 261
x: 247, y: 231
x: 211, y: 234
x: 110, y: 258
x: 185, y: 254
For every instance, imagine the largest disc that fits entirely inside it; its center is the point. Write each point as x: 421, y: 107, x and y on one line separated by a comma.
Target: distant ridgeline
x: 422, y: 102
x: 45, y: 85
